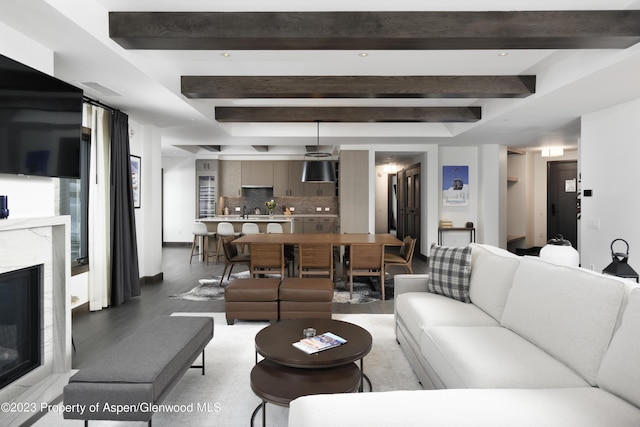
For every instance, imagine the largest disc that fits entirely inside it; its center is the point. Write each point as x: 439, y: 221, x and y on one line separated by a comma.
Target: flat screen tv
x: 40, y: 123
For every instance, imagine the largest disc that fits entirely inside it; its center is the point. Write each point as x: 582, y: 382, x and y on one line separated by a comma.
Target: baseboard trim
x: 152, y: 280
x: 80, y: 310
x: 176, y: 244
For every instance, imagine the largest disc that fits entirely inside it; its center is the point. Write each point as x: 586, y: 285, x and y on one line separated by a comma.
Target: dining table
x: 343, y: 239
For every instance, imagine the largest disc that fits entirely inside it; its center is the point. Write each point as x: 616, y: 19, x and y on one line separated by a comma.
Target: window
x: 74, y: 201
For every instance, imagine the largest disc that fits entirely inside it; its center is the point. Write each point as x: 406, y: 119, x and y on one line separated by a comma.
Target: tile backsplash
x: 256, y: 198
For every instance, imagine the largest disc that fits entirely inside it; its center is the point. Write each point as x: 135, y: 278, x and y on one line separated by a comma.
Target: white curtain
x: 99, y: 196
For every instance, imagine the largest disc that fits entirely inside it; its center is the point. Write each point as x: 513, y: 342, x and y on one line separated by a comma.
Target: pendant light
x: 317, y: 170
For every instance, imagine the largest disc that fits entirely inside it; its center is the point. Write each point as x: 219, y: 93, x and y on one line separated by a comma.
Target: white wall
x: 381, y: 199
x: 609, y: 153
x: 460, y: 215
x: 492, y: 215
x: 28, y: 196
x: 144, y: 141
x: 179, y: 199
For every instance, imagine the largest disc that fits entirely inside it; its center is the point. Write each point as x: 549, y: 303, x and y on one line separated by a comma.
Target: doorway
x: 392, y: 204
x: 409, y: 203
x: 562, y: 201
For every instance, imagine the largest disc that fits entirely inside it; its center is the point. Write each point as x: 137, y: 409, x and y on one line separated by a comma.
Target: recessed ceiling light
x: 363, y: 54
x: 225, y: 54
x: 503, y: 54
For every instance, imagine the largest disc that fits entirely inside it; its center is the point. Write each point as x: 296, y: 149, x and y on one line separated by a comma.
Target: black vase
x: 4, y: 207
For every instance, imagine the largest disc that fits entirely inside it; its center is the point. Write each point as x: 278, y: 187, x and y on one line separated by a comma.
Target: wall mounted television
x: 40, y: 123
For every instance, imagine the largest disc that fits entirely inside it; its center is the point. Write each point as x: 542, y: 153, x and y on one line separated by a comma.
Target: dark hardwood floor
x: 95, y: 331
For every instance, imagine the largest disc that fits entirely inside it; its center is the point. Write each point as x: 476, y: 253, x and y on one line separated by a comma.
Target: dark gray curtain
x: 125, y: 278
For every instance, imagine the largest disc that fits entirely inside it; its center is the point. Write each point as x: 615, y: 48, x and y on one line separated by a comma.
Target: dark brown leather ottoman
x: 252, y: 299
x: 305, y: 298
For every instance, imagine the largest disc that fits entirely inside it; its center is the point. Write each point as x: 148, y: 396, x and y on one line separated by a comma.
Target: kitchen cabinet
x: 286, y: 178
x: 320, y: 189
x: 320, y: 224
x: 297, y: 224
x: 257, y: 172
x: 296, y: 186
x: 231, y: 178
x: 280, y: 178
x: 206, y: 165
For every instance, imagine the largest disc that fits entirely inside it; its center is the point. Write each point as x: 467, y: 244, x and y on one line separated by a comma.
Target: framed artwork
x: 455, y: 186
x: 135, y: 180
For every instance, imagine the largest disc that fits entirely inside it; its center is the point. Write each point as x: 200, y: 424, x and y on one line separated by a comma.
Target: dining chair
x: 266, y: 258
x: 223, y: 230
x: 289, y: 250
x: 201, y: 238
x: 316, y: 260
x: 346, y: 256
x: 232, y: 257
x: 366, y: 260
x: 404, y: 258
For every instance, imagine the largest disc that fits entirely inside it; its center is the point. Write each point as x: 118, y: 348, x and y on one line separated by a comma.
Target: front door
x: 562, y: 183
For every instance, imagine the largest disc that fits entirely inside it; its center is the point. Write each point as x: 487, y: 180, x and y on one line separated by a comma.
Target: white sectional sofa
x: 538, y: 345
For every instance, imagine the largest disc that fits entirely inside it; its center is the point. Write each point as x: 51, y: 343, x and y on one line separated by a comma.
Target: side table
x: 287, y: 373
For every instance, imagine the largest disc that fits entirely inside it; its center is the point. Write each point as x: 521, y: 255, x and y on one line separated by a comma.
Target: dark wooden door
x: 409, y: 203
x: 562, y: 206
x: 401, y: 208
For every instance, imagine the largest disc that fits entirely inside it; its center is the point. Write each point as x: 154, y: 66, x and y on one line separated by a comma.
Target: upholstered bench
x: 137, y: 373
x: 305, y: 298
x: 252, y: 299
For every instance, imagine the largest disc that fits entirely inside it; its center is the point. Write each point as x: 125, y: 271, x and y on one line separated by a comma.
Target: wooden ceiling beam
x: 234, y: 87
x: 376, y: 30
x: 347, y: 114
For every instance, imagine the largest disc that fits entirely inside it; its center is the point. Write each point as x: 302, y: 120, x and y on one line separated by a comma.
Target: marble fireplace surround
x: 25, y: 242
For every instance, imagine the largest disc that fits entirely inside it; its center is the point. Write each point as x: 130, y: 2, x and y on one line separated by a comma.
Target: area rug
x: 223, y: 396
x: 363, y: 292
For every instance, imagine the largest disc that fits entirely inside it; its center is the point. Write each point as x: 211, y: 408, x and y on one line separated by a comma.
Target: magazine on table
x: 319, y: 343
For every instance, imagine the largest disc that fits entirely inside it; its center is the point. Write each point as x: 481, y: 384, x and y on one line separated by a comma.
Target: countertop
x: 266, y: 218
x: 252, y: 218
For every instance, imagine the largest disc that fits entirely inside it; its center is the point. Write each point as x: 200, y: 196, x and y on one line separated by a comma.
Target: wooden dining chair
x: 366, y: 260
x: 316, y: 260
x: 289, y: 250
x: 266, y: 258
x: 404, y: 258
x: 232, y: 257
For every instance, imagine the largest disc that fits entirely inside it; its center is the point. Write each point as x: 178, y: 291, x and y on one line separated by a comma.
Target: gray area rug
x: 223, y: 397
x: 363, y: 292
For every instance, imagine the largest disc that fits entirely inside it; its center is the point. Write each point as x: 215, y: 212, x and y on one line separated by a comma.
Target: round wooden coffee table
x: 287, y: 373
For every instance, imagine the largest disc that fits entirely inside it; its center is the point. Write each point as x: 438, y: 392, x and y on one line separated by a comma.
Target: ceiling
x: 146, y: 84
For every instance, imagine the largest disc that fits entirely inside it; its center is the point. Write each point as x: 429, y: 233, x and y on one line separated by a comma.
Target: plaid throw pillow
x: 449, y: 271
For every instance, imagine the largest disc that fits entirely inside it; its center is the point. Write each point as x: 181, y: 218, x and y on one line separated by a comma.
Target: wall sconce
x: 552, y: 152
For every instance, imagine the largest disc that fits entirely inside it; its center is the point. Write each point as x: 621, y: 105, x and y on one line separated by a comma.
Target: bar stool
x: 200, y: 232
x: 249, y: 228
x: 223, y: 230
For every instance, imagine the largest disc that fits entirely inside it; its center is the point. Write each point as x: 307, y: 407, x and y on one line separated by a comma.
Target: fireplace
x: 20, y: 322
x: 46, y: 243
